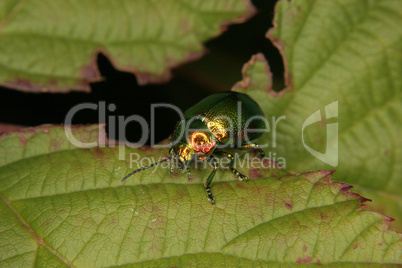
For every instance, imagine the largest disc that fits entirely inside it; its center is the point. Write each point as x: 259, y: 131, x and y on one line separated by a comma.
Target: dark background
x: 216, y: 71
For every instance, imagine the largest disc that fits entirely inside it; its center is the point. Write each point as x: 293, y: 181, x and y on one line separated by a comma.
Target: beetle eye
x: 199, y: 138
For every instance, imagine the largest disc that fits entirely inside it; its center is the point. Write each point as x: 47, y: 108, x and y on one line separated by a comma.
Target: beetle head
x: 201, y: 142
x: 182, y: 153
x: 194, y: 134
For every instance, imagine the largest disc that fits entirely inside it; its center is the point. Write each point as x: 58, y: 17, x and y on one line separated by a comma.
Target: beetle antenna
x: 144, y: 168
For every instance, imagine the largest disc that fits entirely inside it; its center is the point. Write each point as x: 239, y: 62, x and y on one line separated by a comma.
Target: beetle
x: 214, y: 126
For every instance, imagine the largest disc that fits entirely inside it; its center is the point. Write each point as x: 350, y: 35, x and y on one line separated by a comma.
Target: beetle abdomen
x: 227, y: 115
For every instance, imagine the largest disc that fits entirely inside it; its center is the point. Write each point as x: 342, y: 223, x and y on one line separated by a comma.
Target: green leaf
x: 51, y: 45
x: 67, y: 206
x: 347, y: 52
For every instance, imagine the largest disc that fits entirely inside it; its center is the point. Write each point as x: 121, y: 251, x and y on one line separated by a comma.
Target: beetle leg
x: 255, y: 147
x: 239, y: 176
x: 172, y: 166
x: 207, y: 184
x: 188, y: 172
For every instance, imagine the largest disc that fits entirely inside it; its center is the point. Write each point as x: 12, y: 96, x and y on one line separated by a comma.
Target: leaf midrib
x: 37, y: 238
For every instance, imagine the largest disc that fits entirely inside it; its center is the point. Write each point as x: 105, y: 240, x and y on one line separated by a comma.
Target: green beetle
x: 214, y: 126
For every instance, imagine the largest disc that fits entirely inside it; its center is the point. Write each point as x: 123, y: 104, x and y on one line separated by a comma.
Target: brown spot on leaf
x: 180, y: 194
x: 175, y: 174
x: 355, y: 246
x: 240, y: 185
x: 380, y: 244
x: 305, y: 248
x: 55, y: 144
x: 345, y: 187
x: 305, y: 260
x: 155, y: 208
x: 288, y: 205
x: 146, y: 148
x: 155, y: 186
x: 255, y: 173
x: 98, y: 152
x: 185, y: 26
x: 23, y: 140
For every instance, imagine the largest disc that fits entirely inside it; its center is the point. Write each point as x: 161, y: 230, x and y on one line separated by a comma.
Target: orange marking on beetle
x: 218, y: 130
x: 201, y: 142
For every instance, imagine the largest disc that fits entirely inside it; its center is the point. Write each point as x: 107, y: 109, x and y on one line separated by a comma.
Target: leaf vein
x: 356, y: 237
x: 38, y: 239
